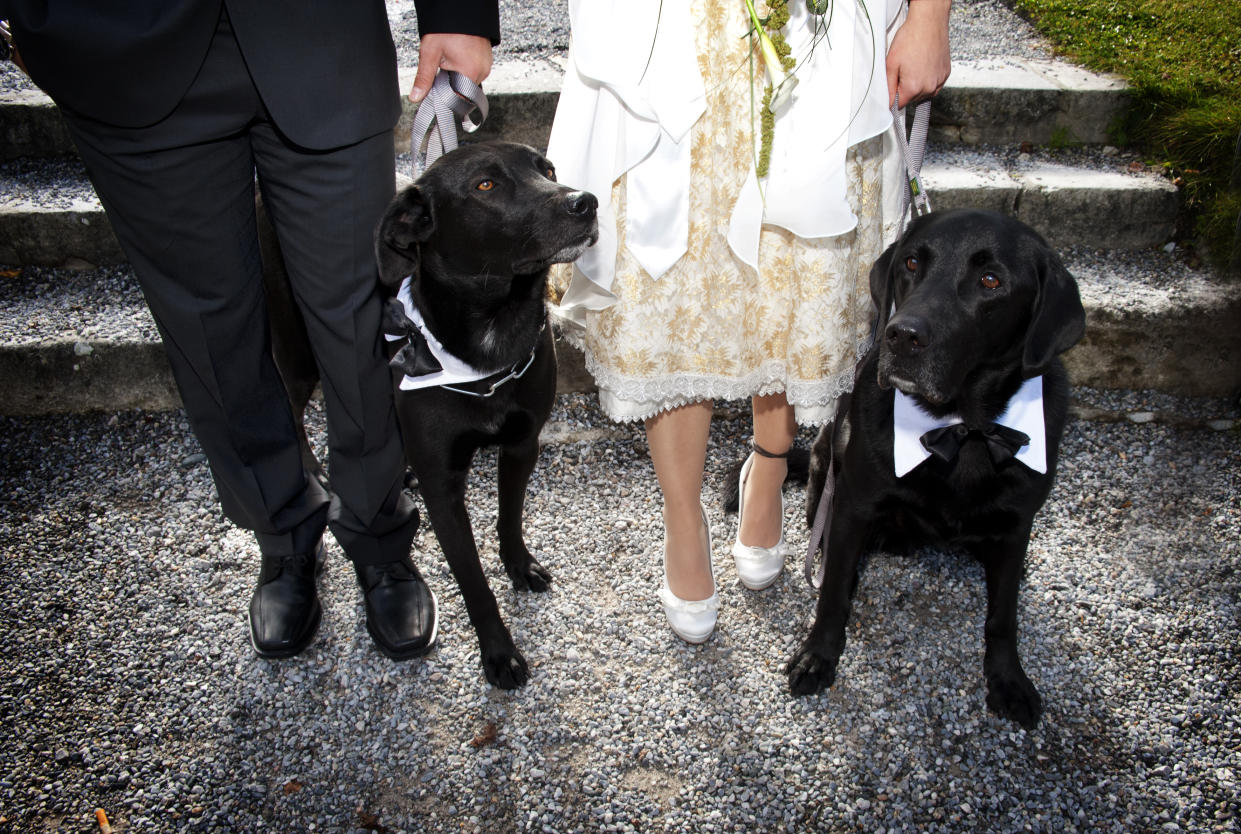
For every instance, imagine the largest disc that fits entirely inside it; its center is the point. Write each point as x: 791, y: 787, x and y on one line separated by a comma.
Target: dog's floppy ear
x: 1059, y: 319
x: 881, y: 289
x: 407, y: 223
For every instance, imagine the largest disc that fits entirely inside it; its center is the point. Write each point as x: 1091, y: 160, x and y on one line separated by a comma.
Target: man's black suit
x: 175, y: 105
x: 324, y: 68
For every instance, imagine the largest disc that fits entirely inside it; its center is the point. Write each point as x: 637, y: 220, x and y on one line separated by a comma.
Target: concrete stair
x: 1062, y: 201
x: 1005, y: 101
x: 991, y: 133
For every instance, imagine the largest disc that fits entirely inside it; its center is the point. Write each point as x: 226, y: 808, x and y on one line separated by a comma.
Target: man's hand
x: 918, y: 60
x: 469, y: 55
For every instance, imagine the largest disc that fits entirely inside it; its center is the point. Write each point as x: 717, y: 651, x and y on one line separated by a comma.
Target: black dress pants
x: 180, y: 196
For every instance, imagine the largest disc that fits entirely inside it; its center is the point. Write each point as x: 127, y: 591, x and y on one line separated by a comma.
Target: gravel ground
x: 43, y: 305
x: 127, y: 682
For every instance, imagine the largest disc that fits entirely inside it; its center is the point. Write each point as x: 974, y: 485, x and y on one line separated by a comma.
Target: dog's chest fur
x: 495, y: 335
x: 965, y: 500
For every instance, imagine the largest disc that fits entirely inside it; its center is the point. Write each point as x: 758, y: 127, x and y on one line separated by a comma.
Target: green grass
x: 1182, y: 59
x: 1061, y: 138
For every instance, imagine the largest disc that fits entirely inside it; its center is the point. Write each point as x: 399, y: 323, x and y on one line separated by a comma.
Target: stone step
x: 1001, y: 101
x: 1010, y: 101
x: 1154, y: 322
x: 76, y: 340
x: 31, y: 126
x: 73, y: 341
x: 1073, y: 198
x: 49, y: 214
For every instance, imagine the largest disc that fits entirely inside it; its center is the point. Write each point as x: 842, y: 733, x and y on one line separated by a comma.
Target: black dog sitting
x: 980, y: 308
x: 475, y: 236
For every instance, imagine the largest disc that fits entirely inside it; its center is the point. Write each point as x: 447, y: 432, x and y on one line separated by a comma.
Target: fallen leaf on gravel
x: 486, y: 736
x: 370, y: 821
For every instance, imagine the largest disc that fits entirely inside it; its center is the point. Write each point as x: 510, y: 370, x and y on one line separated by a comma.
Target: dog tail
x: 799, y: 472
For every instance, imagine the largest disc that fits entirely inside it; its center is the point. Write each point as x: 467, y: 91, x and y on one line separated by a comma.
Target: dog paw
x: 1014, y: 697
x: 506, y: 670
x: 810, y: 672
x: 530, y: 577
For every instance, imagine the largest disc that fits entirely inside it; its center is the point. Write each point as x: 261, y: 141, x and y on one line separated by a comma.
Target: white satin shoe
x: 691, y: 620
x: 758, y: 567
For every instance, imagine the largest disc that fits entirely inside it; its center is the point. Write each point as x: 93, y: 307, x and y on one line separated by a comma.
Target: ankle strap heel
x: 760, y: 450
x: 758, y: 567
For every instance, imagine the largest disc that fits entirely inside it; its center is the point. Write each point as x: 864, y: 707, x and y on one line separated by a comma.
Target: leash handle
x: 913, y: 149
x: 914, y: 199
x: 453, y: 99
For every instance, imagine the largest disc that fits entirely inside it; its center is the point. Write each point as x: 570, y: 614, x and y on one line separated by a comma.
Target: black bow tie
x: 1002, y: 442
x: 415, y: 358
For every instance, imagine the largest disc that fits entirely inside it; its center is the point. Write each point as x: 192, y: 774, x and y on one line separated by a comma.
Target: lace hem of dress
x: 627, y: 399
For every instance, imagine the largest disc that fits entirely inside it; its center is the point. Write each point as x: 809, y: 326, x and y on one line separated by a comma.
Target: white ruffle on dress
x: 707, y: 283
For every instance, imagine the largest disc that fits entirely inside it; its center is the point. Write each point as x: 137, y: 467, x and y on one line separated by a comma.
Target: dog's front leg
x: 502, y: 662
x: 515, y: 465
x: 813, y: 667
x: 1009, y: 692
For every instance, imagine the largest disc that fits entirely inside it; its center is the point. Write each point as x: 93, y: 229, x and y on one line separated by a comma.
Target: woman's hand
x: 469, y: 55
x: 918, y: 60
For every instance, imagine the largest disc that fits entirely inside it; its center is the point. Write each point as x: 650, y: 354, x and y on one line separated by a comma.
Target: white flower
x: 782, y: 83
x: 782, y: 93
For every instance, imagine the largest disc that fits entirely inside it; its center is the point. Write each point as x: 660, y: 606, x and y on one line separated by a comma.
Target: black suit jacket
x: 326, y: 69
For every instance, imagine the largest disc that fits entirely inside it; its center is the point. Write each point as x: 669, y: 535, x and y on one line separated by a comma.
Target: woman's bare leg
x: 678, y: 444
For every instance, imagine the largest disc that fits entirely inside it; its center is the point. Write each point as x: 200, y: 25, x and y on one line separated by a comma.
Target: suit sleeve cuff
x: 459, y: 17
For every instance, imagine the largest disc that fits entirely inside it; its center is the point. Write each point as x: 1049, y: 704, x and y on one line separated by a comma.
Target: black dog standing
x: 475, y: 236
x: 980, y: 308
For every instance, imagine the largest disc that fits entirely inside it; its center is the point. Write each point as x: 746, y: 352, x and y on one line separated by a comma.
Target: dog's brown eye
x: 911, y: 263
x: 990, y: 281
x: 485, y: 185
x: 551, y: 173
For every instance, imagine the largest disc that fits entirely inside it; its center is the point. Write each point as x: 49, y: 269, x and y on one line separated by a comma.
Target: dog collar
x: 1024, y: 413
x: 452, y: 371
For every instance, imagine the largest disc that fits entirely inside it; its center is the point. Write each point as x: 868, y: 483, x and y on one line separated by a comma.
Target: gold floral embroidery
x: 710, y: 327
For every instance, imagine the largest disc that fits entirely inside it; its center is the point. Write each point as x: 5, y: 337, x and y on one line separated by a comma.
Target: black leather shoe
x: 400, y: 608
x: 285, y: 610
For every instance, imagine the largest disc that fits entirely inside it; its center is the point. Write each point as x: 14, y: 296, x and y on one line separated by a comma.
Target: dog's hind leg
x: 516, y: 463
x: 1010, y: 693
x: 813, y: 667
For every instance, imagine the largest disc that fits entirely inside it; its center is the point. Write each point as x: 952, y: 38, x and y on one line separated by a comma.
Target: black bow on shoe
x: 1003, y: 442
x: 415, y: 358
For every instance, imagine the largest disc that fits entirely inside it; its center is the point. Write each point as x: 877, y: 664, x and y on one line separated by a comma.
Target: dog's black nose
x: 907, y: 335
x: 580, y: 203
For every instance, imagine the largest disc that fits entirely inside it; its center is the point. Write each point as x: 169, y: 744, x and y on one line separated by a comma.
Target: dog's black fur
x: 477, y: 231
x: 981, y: 303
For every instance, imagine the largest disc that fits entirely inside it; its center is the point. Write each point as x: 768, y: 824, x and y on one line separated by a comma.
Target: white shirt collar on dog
x: 1023, y: 413
x: 454, y: 371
